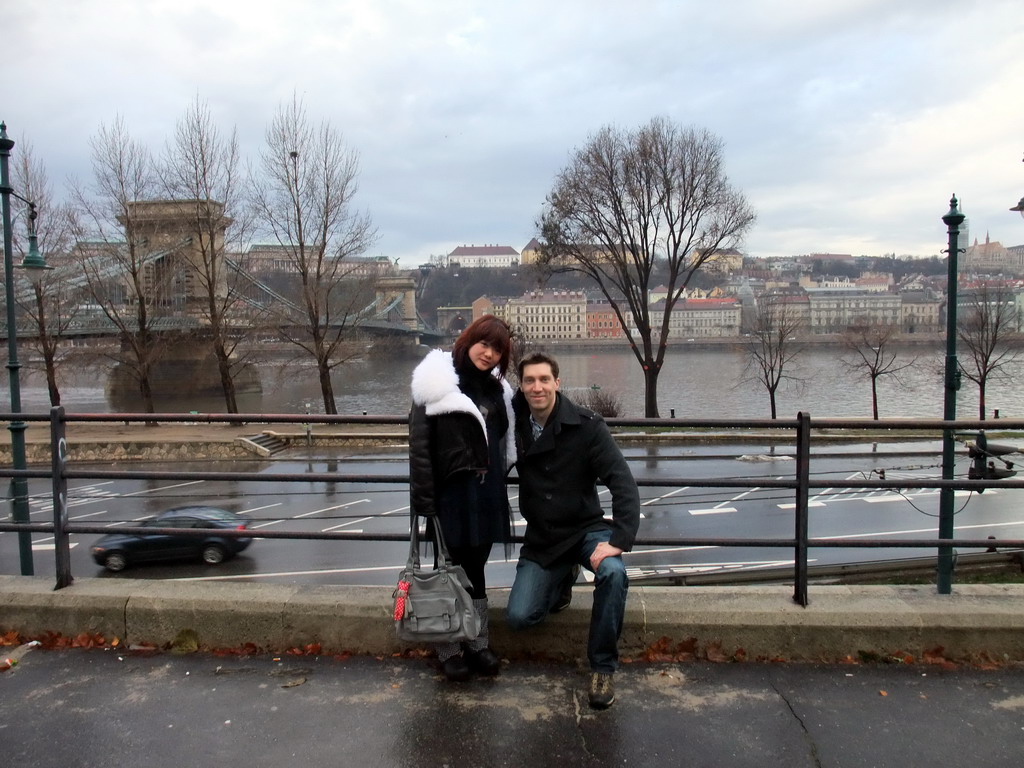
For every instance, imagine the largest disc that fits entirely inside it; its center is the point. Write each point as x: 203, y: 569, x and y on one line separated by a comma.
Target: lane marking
x: 88, y: 514
x: 364, y: 519
x: 363, y: 569
x: 665, y: 496
x: 331, y: 509
x: 879, y: 499
x: 698, y: 567
x: 712, y: 511
x: 109, y: 497
x: 671, y: 549
x: 745, y: 493
x: 267, y: 525
x: 235, y: 577
x: 257, y: 509
x: 86, y: 490
x: 924, y: 530
x: 129, y: 522
x: 162, y: 488
x: 305, y: 514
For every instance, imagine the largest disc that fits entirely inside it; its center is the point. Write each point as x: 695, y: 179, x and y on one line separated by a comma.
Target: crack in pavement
x: 803, y: 726
x: 577, y: 703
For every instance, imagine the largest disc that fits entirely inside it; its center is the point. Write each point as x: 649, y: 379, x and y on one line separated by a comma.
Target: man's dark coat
x: 558, y: 475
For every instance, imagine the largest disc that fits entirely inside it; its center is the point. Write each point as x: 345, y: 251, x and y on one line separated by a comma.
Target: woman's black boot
x: 456, y: 669
x: 484, y: 662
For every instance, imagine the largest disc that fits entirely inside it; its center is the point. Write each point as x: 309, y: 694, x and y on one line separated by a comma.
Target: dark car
x: 116, y: 551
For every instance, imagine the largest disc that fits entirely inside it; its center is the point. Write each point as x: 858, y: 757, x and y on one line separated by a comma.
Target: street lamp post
x: 944, y: 581
x: 35, y: 265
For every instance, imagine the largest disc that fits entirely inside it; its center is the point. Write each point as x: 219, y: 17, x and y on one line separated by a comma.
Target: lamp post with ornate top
x: 944, y: 581
x: 35, y: 266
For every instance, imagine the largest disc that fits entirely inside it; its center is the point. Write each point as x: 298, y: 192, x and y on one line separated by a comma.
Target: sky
x: 848, y: 124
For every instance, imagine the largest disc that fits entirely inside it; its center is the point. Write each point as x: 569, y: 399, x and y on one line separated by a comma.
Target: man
x: 563, y: 451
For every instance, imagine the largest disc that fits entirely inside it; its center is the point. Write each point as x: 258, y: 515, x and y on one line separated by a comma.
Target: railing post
x: 803, y: 467
x: 58, y: 462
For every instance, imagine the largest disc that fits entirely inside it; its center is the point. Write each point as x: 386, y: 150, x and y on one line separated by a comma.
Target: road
x: 683, y: 510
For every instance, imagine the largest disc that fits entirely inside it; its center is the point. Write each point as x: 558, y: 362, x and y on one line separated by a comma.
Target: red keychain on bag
x: 400, y: 594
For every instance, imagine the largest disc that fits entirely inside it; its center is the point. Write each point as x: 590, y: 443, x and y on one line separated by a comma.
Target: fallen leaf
x: 883, y: 693
x: 10, y: 638
x: 293, y: 683
x: 715, y: 653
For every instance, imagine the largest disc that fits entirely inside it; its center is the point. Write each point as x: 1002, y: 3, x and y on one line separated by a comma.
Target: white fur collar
x: 435, y: 385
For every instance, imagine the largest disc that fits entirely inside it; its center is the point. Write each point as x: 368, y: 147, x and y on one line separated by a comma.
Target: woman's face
x: 484, y: 356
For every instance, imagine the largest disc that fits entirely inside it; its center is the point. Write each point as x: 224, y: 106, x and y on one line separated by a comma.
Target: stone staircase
x: 263, y: 444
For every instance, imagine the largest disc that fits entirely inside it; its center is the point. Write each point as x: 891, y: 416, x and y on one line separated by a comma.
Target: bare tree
x: 128, y: 272
x: 303, y: 195
x: 636, y: 206
x: 988, y: 326
x: 51, y: 303
x: 201, y: 169
x: 869, y: 349
x: 772, y: 346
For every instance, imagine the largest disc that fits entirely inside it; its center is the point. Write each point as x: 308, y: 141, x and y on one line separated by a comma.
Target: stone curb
x: 754, y: 623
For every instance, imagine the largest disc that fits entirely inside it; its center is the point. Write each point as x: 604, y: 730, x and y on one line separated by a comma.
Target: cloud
x: 848, y: 124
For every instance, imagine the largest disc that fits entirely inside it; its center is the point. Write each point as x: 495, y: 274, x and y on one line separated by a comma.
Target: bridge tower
x: 186, y: 239
x: 404, y: 286
x: 189, y: 233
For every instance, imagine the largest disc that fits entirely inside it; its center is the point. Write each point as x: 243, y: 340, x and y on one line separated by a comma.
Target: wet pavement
x: 88, y: 708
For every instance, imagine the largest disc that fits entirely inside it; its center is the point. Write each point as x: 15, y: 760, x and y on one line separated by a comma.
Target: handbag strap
x: 440, y: 549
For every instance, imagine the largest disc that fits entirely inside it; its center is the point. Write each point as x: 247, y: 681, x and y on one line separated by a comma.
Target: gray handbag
x: 433, y: 605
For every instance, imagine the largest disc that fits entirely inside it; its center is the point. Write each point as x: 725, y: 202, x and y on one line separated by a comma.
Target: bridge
x: 176, y: 242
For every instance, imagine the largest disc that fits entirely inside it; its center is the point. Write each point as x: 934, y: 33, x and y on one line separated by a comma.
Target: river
x: 695, y: 382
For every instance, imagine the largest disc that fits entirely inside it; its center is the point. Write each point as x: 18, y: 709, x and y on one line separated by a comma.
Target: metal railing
x: 801, y: 483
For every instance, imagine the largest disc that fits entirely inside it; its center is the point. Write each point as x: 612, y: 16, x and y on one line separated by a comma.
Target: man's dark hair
x: 537, y: 358
x: 491, y: 329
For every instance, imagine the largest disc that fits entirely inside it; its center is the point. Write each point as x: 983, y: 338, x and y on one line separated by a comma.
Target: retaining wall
x: 724, y: 623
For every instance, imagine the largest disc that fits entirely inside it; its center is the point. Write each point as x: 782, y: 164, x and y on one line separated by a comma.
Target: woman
x: 461, y: 446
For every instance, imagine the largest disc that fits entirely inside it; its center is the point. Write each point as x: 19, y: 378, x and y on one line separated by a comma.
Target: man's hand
x: 601, y: 551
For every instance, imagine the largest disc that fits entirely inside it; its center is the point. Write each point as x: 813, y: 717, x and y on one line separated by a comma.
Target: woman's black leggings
x: 473, y: 560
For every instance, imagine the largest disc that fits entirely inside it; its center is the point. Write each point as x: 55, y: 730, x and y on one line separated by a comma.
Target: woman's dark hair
x: 491, y: 329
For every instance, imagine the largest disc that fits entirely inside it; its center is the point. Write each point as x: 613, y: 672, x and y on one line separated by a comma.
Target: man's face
x: 539, y: 386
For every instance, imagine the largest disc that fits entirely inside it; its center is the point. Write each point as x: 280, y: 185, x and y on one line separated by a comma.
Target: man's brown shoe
x: 602, y: 690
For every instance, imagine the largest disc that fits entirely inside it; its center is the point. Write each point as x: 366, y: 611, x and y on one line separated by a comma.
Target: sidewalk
x: 960, y: 702
x: 80, y: 709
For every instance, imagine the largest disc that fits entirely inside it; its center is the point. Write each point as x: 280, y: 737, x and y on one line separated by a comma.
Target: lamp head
x: 954, y: 218
x: 34, y: 264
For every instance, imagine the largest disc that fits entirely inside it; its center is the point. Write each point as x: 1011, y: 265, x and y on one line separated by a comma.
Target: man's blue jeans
x: 536, y: 589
